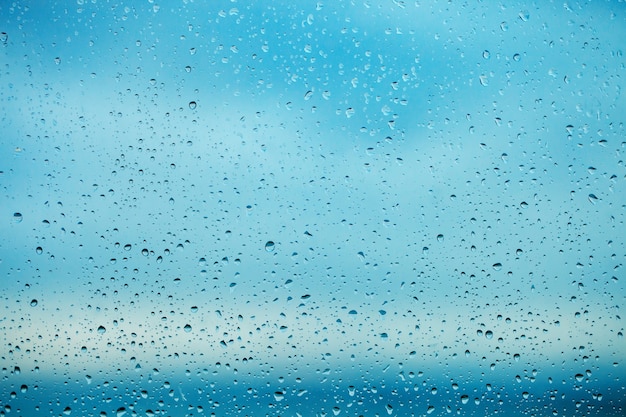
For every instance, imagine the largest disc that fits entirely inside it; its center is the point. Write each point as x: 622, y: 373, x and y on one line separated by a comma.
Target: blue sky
x: 426, y: 172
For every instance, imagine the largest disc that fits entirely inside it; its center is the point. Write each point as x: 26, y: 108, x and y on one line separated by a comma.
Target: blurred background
x: 312, y: 208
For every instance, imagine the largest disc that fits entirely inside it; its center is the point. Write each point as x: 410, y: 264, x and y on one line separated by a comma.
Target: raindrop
x: 39, y: 250
x: 187, y: 328
x: 489, y: 334
x: 269, y: 246
x: 497, y: 266
x: 17, y: 217
x: 593, y: 199
x: 4, y: 37
x: 486, y: 54
x: 128, y: 247
x: 34, y: 302
x: 464, y: 399
x: 192, y: 105
x: 439, y: 238
x: 24, y: 389
x: 102, y: 330
x: 579, y: 377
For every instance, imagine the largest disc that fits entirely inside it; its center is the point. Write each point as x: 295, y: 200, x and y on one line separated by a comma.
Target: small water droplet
x: 593, y: 199
x: 440, y: 238
x: 39, y: 250
x: 497, y: 266
x: 34, y: 302
x: 579, y: 377
x: 270, y: 246
x: 187, y: 328
x: 486, y: 54
x: 17, y: 217
x: 193, y: 105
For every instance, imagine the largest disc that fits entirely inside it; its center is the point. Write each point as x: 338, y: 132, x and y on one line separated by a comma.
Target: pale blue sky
x: 425, y: 171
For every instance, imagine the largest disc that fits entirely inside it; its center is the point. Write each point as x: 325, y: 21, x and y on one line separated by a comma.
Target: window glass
x: 299, y: 208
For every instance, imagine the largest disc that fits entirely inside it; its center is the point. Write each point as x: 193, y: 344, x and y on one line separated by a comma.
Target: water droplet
x: 17, y: 217
x: 193, y: 105
x: 34, y: 302
x: 279, y: 395
x: 489, y: 334
x: 523, y: 204
x: 516, y: 57
x: 389, y: 409
x: 464, y: 399
x: 486, y: 54
x: 516, y: 357
x: 188, y: 68
x: 497, y: 266
x: 102, y: 330
x: 145, y: 252
x: 524, y: 15
x: 439, y: 238
x: 39, y: 250
x: 308, y: 95
x: 128, y: 247
x: 4, y: 37
x: 269, y: 246
x: 187, y: 328
x: 67, y: 411
x: 24, y: 389
x: 504, y: 26
x: 194, y: 309
x: 579, y: 377
x: 593, y: 199
x: 483, y: 80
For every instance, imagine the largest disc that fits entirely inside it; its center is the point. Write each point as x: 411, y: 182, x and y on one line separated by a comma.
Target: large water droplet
x: 269, y: 246
x: 33, y: 303
x: 102, y: 330
x: 17, y: 217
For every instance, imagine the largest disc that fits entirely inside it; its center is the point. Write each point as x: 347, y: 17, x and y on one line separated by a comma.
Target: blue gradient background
x: 428, y: 172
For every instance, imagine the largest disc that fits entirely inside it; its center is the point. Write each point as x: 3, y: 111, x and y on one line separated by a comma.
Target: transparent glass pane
x: 354, y: 208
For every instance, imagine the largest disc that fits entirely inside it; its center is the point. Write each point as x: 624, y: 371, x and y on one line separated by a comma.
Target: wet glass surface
x: 358, y: 208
